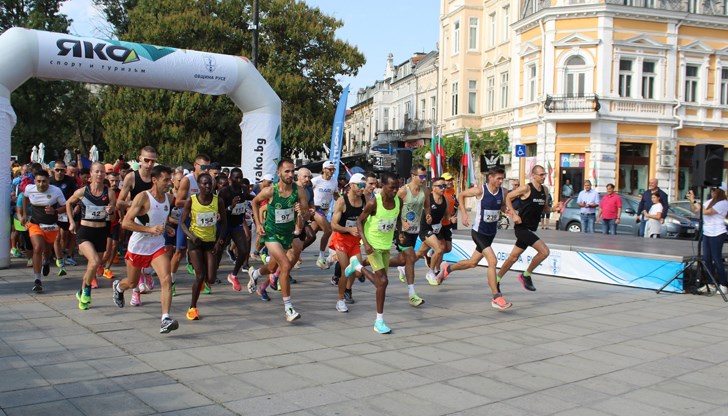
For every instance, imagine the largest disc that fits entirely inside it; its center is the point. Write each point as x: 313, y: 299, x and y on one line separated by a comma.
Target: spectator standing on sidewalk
x: 588, y: 200
x: 610, y: 211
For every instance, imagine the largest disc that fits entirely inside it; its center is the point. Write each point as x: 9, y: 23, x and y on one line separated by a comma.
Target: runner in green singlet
x: 286, y: 205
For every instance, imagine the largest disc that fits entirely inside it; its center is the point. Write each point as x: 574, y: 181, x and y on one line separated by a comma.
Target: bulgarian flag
x: 551, y: 172
x: 433, y: 154
x: 467, y: 171
x: 594, y: 173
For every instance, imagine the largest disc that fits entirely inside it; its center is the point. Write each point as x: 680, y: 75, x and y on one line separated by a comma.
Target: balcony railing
x: 569, y: 103
x: 706, y: 7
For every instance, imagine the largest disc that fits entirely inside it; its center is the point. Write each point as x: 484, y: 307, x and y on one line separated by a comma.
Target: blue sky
x: 376, y: 27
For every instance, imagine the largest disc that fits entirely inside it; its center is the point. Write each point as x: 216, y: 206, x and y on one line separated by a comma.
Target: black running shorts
x: 481, y: 241
x: 525, y: 237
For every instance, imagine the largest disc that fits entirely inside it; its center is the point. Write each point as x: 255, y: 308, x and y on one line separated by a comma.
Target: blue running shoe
x: 381, y: 328
x: 351, y: 268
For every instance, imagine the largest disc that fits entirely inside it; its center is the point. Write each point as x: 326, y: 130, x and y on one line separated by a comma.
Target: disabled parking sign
x: 520, y: 150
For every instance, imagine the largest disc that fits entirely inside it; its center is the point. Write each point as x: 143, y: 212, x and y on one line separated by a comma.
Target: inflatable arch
x: 58, y: 56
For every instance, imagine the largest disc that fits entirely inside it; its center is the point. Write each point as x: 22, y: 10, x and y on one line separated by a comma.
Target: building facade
x: 612, y: 91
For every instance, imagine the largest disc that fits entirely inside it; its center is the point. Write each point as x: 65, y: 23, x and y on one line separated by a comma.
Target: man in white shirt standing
x: 588, y: 200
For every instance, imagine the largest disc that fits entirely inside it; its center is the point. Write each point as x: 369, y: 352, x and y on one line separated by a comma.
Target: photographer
x: 714, y: 234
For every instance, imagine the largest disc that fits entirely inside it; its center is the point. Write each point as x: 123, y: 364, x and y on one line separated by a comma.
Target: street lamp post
x: 256, y: 15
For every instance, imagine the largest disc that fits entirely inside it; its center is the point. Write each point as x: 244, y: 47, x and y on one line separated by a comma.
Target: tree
x: 58, y: 113
x: 299, y: 57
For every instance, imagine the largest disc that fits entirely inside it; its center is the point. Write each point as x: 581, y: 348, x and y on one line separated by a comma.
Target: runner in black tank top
x: 532, y: 198
x: 432, y: 230
x: 139, y: 186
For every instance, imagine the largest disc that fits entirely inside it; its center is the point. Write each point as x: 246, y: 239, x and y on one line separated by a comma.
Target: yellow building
x: 616, y: 91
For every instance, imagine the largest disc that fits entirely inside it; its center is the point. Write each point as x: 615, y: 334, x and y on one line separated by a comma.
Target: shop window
x: 634, y: 168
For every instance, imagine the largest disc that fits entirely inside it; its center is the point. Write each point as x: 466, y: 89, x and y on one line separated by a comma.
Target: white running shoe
x: 292, y: 315
x: 341, y: 306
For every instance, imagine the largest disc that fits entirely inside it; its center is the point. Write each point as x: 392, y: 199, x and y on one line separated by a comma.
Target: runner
x: 532, y: 202
x: 233, y: 198
x: 491, y: 202
x: 187, y: 187
x: 97, y: 204
x: 203, y: 212
x: 170, y: 240
x: 303, y: 179
x: 432, y: 229
x: 46, y: 201
x: 412, y: 196
x: 146, y: 219
x: 325, y: 188
x: 345, y: 239
x: 287, y: 205
x: 64, y: 244
x: 112, y: 240
x: 376, y: 226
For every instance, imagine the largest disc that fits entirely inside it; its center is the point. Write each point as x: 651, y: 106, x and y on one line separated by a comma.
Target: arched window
x: 576, y: 76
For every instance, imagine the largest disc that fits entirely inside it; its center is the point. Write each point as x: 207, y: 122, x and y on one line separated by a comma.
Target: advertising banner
x: 337, y: 131
x: 261, y: 148
x: 100, y: 61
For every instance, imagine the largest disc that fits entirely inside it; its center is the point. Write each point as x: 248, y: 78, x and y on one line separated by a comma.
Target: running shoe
x: 527, y: 282
x: 415, y: 300
x: 142, y: 287
x: 190, y: 269
x: 351, y: 268
x: 136, y: 299
x: 16, y: 253
x: 70, y: 261
x: 94, y: 283
x: 234, y: 281
x: 150, y: 281
x: 500, y: 303
x: 291, y: 280
x: 292, y: 315
x: 59, y: 263
x: 442, y: 276
x: 381, y: 328
x: 61, y: 271
x: 334, y: 280
x: 118, y: 294
x: 361, y: 278
x: 253, y: 282
x: 46, y: 268
x: 322, y: 263
x: 29, y: 263
x: 174, y: 289
x: 402, y: 274
x: 193, y: 314
x: 707, y: 289
x: 264, y: 258
x: 231, y: 255
x: 81, y: 304
x: 341, y: 306
x: 37, y: 286
x: 273, y: 278
x: 263, y: 294
x: 108, y: 273
x: 206, y: 290
x: 84, y: 295
x: 116, y: 258
x: 168, y: 325
x: 431, y: 278
x: 99, y: 271
x: 348, y: 298
x: 255, y: 255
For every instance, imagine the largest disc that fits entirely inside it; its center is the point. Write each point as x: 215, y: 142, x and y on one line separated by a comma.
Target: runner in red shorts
x: 345, y: 239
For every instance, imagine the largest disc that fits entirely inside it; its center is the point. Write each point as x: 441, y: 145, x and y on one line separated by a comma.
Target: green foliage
x: 299, y: 56
x: 481, y: 142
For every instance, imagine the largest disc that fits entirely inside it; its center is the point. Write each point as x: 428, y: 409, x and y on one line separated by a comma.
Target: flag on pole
x: 440, y: 155
x: 433, y: 154
x: 594, y: 172
x: 337, y: 132
x: 468, y: 174
x: 551, y: 172
x: 348, y: 171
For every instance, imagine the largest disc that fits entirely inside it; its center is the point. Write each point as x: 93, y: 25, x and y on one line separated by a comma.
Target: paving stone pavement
x: 571, y: 348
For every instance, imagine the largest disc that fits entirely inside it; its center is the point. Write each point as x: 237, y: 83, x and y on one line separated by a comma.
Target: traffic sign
x: 520, y: 150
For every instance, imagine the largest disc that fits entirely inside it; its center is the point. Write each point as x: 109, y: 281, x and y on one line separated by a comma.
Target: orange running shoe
x: 108, y: 274
x: 100, y: 271
x: 192, y: 314
x: 500, y: 303
x: 94, y: 283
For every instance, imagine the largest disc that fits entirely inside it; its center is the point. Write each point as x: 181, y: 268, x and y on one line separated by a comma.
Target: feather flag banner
x: 594, y: 172
x: 337, y: 132
x: 433, y: 154
x: 551, y: 172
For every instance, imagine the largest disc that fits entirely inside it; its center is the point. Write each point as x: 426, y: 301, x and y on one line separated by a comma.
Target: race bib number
x: 386, y: 225
x: 206, y: 219
x: 95, y: 213
x: 414, y: 228
x: 324, y: 206
x: 491, y: 215
x: 436, y: 228
x: 350, y: 223
x: 238, y: 209
x: 63, y: 217
x: 284, y: 216
x: 48, y: 227
x: 175, y: 213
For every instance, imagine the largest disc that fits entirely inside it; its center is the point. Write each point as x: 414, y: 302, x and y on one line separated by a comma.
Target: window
x: 691, y: 83
x: 407, y: 110
x: 504, y: 90
x: 454, y: 96
x: 473, y: 33
x: 433, y: 109
x: 575, y: 76
x: 423, y: 111
x: 493, y: 30
x: 629, y: 2
x: 456, y: 37
x: 531, y: 80
x: 724, y: 86
x: 472, y: 96
x: 506, y: 23
x: 386, y: 119
x: 692, y: 6
x: 648, y: 80
x: 491, y: 94
x: 650, y: 4
x: 625, y: 77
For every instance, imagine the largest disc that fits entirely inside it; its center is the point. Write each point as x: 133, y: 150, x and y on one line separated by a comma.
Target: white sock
x: 358, y: 267
x: 165, y: 316
x: 256, y: 274
x: 380, y: 316
x: 322, y: 254
x: 287, y: 303
x: 411, y: 289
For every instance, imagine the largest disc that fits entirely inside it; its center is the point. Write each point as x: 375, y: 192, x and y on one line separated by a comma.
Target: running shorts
x: 406, y: 240
x: 525, y: 237
x: 481, y: 241
x: 141, y: 260
x: 345, y: 243
x: 379, y: 260
x: 95, y: 236
x: 48, y: 232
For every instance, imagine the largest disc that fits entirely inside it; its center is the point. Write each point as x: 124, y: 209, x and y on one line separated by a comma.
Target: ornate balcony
x: 570, y: 103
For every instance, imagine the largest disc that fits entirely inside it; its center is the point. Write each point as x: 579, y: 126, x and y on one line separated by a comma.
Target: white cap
x: 266, y: 177
x: 357, y: 178
x: 328, y: 164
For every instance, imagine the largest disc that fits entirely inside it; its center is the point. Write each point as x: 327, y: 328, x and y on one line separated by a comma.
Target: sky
x: 375, y: 27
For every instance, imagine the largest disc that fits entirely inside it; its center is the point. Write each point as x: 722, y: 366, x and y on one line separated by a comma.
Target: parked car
x: 675, y: 226
x: 682, y: 207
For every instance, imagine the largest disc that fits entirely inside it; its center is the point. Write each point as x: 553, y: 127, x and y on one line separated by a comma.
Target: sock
x: 172, y: 276
x: 527, y: 273
x: 256, y: 274
x: 496, y: 296
x: 322, y: 254
x: 337, y: 270
x: 165, y: 316
x: 436, y: 272
x: 411, y: 289
x: 135, y: 290
x: 497, y: 278
x: 358, y: 267
x: 380, y: 316
x: 37, y: 276
x: 287, y: 303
